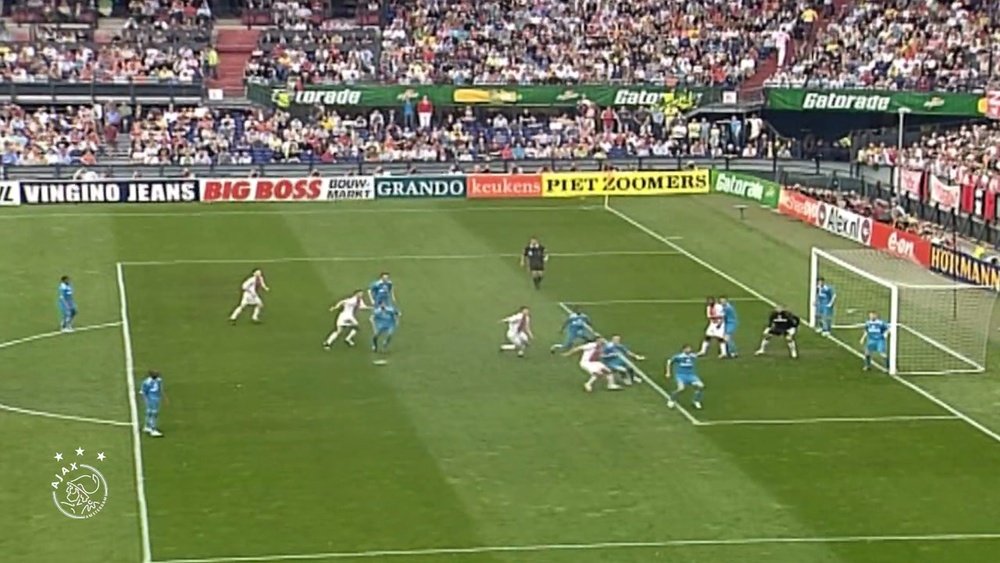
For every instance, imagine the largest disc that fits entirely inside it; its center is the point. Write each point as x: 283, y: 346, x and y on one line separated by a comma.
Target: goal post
x: 937, y: 325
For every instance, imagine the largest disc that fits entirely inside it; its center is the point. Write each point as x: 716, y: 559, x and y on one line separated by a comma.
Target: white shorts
x: 346, y: 320
x: 715, y: 331
x: 251, y: 299
x: 594, y: 368
x: 518, y: 339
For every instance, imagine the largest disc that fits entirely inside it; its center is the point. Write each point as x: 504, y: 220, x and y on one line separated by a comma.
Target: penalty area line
x: 596, y: 546
x: 655, y: 386
x: 690, y: 301
x: 831, y: 420
x: 57, y: 416
x: 288, y: 259
x: 55, y: 333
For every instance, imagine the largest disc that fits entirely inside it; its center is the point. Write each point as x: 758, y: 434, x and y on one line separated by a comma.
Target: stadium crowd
x: 913, y: 45
x: 162, y: 41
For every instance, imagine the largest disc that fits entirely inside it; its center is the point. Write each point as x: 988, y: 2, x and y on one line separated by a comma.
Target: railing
x: 133, y: 91
x: 774, y: 168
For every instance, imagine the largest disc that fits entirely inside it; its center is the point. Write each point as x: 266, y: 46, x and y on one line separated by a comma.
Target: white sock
x: 508, y: 347
x: 350, y: 335
x: 723, y: 349
x: 236, y: 313
x: 592, y: 379
x: 611, y: 380
x: 704, y: 347
x: 256, y: 313
x: 333, y: 336
x: 793, y: 349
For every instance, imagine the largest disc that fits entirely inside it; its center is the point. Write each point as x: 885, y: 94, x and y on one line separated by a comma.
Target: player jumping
x: 534, y: 257
x: 826, y: 297
x: 347, y: 319
x: 591, y: 361
x: 67, y: 305
x: 518, y: 332
x: 380, y: 291
x: 681, y: 365
x: 251, y: 297
x: 781, y: 323
x: 575, y: 327
x: 729, y: 322
x: 615, y: 357
x: 716, y: 329
x: 874, y: 339
x: 385, y: 321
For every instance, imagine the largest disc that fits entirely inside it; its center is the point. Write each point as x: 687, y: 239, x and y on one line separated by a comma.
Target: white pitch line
x: 597, y: 546
x: 140, y: 482
x: 46, y: 414
x: 400, y: 257
x: 55, y: 333
x: 655, y: 386
x: 829, y: 420
x: 318, y: 210
x: 691, y: 301
x: 722, y: 274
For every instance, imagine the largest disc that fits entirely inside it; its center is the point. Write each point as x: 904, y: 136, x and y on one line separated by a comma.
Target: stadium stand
x: 913, y: 45
x: 951, y: 154
x: 322, y: 53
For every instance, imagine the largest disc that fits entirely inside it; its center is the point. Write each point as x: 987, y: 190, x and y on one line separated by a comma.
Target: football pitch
x: 276, y: 450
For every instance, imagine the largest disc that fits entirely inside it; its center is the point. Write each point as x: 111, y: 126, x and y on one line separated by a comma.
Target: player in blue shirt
x: 730, y: 321
x: 874, y: 338
x: 826, y: 297
x: 152, y: 393
x: 385, y: 320
x: 67, y: 305
x: 681, y: 365
x: 575, y: 327
x: 380, y: 291
x: 615, y: 356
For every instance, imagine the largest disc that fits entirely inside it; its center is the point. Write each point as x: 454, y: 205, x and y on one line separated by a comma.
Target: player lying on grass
x: 781, y: 323
x: 681, y: 365
x: 716, y: 329
x: 591, y: 361
x: 729, y: 323
x: 347, y: 320
x: 874, y: 339
x: 385, y: 321
x: 251, y: 296
x: 518, y: 331
x: 826, y: 297
x: 616, y: 356
x: 575, y: 327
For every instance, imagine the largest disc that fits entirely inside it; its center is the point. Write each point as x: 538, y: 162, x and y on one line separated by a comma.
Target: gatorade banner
x: 615, y: 183
x: 749, y: 187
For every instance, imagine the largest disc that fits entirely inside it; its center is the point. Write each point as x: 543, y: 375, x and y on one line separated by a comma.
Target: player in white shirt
x: 716, y: 329
x: 592, y: 362
x: 347, y: 320
x: 251, y: 296
x: 518, y: 332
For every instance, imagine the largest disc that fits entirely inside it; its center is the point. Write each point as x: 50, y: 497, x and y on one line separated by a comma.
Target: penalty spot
x: 380, y: 362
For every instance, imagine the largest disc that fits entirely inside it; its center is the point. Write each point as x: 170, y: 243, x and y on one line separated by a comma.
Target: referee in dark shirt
x: 534, y: 258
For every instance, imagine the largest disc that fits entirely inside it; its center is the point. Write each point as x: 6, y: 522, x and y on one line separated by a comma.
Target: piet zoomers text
x: 42, y: 193
x: 574, y: 184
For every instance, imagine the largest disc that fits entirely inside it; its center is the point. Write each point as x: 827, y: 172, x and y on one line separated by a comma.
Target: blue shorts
x: 877, y: 346
x: 385, y: 329
x: 688, y: 380
x: 616, y: 365
x: 824, y: 310
x: 67, y: 310
x: 152, y: 406
x: 730, y: 329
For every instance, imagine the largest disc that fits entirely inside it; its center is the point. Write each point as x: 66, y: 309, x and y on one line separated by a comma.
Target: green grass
x: 274, y: 446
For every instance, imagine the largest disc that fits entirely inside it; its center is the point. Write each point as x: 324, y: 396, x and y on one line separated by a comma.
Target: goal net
x: 937, y: 325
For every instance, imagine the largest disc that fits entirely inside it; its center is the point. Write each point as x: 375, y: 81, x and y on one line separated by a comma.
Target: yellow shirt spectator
x: 809, y: 15
x: 979, y: 252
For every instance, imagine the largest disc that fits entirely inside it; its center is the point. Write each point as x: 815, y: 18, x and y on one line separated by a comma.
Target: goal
x: 937, y: 325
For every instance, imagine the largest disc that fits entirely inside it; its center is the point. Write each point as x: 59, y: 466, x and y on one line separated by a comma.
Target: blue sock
x: 673, y: 396
x: 697, y: 395
x: 375, y: 342
x: 385, y: 343
x: 731, y: 346
x: 152, y: 421
x: 868, y: 360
